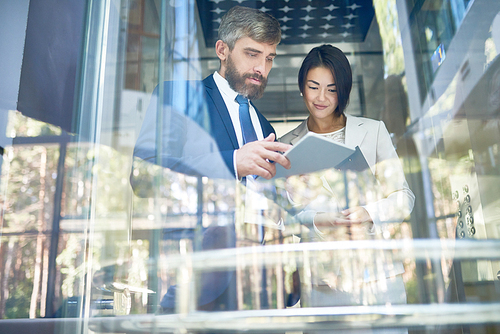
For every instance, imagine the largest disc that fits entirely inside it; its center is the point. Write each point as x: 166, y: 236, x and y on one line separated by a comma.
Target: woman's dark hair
x: 334, y: 59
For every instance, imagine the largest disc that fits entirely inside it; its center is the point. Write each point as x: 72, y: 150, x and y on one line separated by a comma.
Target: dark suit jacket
x: 221, y: 125
x: 197, y: 135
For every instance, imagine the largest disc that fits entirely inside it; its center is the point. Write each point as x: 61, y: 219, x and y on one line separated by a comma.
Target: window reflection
x: 90, y: 231
x: 143, y: 33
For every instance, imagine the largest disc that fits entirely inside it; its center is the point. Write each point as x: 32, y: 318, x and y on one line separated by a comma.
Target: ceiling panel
x: 305, y: 21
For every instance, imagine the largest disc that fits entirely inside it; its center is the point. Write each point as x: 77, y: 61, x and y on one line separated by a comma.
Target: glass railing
x: 354, y: 304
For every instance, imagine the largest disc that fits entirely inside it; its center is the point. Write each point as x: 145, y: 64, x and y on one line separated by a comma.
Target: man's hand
x: 254, y: 158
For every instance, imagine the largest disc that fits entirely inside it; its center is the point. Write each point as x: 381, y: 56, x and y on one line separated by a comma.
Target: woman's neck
x: 326, y: 125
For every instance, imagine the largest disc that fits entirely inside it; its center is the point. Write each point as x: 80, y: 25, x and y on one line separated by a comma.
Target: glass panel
x: 152, y: 17
x: 142, y: 218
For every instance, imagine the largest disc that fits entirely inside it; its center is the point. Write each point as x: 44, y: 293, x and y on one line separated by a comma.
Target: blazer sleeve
x: 397, y: 199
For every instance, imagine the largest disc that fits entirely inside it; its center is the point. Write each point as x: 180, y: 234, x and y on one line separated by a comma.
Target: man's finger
x: 270, y: 138
x: 266, y: 170
x: 282, y: 160
x: 346, y: 212
x: 275, y: 146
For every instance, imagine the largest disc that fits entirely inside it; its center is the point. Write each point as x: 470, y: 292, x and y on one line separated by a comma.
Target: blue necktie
x: 245, y: 122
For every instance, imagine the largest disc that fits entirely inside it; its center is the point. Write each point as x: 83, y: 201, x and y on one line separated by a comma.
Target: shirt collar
x: 224, y: 87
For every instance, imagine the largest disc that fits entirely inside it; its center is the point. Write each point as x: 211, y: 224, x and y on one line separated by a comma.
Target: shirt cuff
x: 234, y: 166
x: 371, y: 209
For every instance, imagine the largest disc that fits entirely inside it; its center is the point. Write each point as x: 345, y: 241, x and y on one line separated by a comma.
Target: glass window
x: 136, y: 206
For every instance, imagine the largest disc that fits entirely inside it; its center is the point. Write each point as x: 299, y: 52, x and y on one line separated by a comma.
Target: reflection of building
x: 69, y: 213
x: 454, y: 123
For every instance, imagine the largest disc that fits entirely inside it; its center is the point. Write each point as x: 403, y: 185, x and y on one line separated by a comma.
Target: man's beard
x: 238, y: 82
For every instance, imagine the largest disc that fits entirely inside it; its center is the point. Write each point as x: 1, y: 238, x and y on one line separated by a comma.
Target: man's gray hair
x: 241, y: 22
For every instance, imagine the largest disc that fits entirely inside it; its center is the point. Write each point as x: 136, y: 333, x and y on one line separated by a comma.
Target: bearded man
x: 246, y: 48
x: 211, y: 128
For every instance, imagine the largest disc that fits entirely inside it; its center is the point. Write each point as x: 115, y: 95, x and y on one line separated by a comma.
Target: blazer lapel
x: 355, y: 132
x: 219, y: 107
x: 299, y: 132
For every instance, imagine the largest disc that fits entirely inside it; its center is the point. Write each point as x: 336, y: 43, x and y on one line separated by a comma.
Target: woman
x: 325, y: 81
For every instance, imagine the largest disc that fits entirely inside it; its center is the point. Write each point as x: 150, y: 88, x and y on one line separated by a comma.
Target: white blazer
x: 374, y: 141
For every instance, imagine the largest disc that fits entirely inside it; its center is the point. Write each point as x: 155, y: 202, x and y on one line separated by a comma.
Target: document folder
x: 315, y: 152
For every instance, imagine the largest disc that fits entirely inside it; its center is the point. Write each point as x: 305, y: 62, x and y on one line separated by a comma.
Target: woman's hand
x: 347, y: 218
x: 324, y: 220
x: 357, y: 215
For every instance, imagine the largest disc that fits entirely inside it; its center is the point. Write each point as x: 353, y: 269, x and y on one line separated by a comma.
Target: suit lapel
x: 267, y: 128
x: 218, y: 107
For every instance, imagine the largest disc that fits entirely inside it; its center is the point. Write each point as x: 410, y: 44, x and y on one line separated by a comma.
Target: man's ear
x: 222, y: 50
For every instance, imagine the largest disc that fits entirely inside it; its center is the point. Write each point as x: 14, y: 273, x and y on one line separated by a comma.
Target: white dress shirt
x: 255, y: 202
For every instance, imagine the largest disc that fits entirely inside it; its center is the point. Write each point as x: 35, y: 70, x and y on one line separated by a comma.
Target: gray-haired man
x: 246, y: 49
